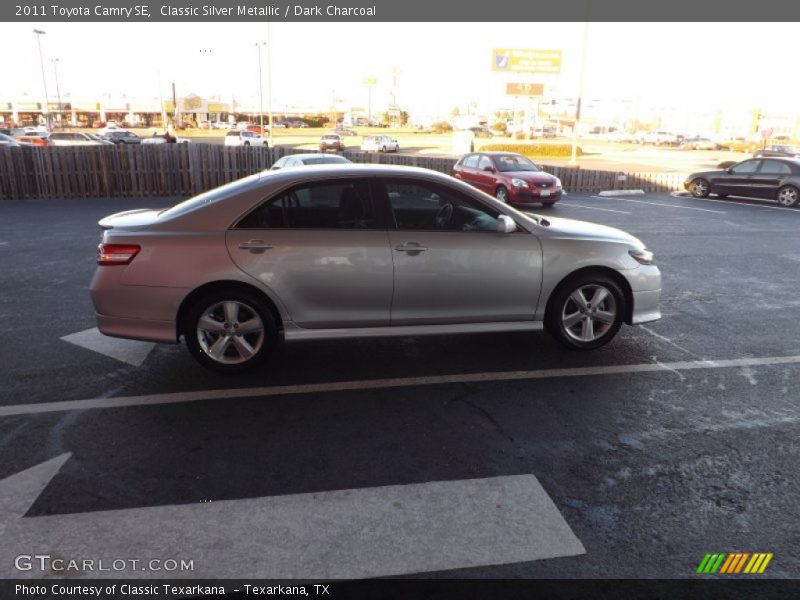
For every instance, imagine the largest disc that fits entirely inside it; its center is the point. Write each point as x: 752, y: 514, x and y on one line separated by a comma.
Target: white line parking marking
x: 622, y: 212
x: 342, y: 534
x: 373, y: 384
x: 749, y: 203
x: 132, y: 352
x: 721, y: 212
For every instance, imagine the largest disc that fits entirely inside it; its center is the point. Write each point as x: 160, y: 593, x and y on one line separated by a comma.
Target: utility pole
x: 174, y: 107
x: 260, y: 88
x: 58, y: 91
x: 46, y: 109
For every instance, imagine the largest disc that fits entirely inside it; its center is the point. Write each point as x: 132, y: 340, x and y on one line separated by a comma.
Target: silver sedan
x: 343, y: 251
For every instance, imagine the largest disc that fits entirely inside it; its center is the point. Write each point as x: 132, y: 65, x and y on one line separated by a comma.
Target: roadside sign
x: 516, y: 60
x: 370, y: 81
x: 525, y: 89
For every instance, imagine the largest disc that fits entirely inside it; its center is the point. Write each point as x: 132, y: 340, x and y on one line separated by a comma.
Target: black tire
x: 501, y: 194
x: 246, y: 144
x: 788, y: 196
x: 699, y: 188
x: 561, y: 306
x: 250, y: 305
x: 547, y: 204
x: 266, y: 144
x: 397, y: 149
x: 383, y: 149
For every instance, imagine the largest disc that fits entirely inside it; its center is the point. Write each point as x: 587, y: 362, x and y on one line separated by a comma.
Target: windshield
x: 513, y: 162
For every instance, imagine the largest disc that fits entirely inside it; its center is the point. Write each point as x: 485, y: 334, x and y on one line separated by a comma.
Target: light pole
x: 269, y: 75
x: 39, y: 33
x: 260, y: 87
x: 573, y: 160
x: 58, y: 89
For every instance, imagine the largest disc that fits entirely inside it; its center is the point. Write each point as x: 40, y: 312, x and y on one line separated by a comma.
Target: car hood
x: 530, y: 176
x: 140, y: 218
x: 573, y: 229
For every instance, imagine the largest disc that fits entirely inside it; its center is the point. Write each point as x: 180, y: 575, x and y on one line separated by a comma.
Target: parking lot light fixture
x: 45, y: 108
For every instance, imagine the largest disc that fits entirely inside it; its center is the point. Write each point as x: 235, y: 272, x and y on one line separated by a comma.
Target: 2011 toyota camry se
x: 342, y: 251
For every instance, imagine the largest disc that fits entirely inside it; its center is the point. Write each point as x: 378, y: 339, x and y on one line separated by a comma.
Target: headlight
x: 519, y: 183
x: 643, y: 257
x: 558, y: 182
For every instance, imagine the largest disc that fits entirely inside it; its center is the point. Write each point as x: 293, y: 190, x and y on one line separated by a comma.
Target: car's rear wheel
x: 230, y: 331
x: 246, y: 144
x: 788, y: 196
x: 586, y: 311
x: 383, y: 148
x: 502, y: 194
x: 699, y: 188
x: 266, y: 144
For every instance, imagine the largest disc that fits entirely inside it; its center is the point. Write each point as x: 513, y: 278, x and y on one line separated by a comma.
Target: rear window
x: 325, y: 160
x: 208, y: 197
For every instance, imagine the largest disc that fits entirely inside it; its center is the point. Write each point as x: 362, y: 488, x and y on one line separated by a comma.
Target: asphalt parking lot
x: 497, y: 455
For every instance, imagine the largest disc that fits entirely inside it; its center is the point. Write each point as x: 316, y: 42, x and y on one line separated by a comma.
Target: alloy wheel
x: 589, y: 312
x: 230, y: 332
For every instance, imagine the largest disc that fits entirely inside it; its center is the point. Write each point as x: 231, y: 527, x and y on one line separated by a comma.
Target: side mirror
x: 506, y: 224
x: 488, y: 169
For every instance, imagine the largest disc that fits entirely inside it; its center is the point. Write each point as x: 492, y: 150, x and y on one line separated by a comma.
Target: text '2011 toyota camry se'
x: 342, y: 251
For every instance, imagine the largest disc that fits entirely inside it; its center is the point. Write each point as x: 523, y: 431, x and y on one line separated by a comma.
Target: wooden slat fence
x: 187, y: 169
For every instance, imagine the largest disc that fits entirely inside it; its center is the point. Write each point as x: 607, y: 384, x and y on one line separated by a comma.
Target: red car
x: 511, y: 178
x: 33, y: 139
x: 257, y: 129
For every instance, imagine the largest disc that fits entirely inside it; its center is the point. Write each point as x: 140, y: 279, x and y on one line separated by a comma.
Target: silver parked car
x: 340, y: 251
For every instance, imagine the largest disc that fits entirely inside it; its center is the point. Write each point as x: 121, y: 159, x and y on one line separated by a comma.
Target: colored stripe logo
x: 734, y: 563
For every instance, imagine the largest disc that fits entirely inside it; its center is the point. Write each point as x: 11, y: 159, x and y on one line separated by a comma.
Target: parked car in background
x: 244, y: 138
x: 257, y: 129
x: 738, y: 144
x: 220, y: 125
x: 304, y: 160
x: 360, y: 250
x: 110, y: 126
x: 481, y: 132
x: 33, y: 139
x: 331, y: 141
x: 659, y: 138
x: 6, y: 141
x: 344, y: 132
x: 122, y: 137
x: 511, y: 178
x: 698, y: 143
x: 542, y: 132
x: 380, y: 143
x: 73, y: 138
x: 782, y: 150
x: 102, y: 140
x: 769, y: 178
x: 160, y: 138
x: 620, y: 136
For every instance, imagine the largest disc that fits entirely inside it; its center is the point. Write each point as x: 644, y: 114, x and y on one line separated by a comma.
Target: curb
x: 621, y: 193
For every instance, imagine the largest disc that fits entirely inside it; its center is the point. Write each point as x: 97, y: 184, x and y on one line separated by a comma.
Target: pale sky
x: 439, y: 65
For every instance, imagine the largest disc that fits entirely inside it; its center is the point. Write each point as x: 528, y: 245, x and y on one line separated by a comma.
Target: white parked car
x: 380, y: 143
x: 220, y: 125
x: 659, y: 138
x: 158, y: 138
x: 303, y: 160
x: 244, y: 138
x: 74, y: 138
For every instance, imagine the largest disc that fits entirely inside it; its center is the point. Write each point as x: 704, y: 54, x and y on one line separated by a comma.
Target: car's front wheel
x: 586, y: 311
x: 502, y: 194
x: 699, y: 188
x: 230, y: 331
x: 788, y: 196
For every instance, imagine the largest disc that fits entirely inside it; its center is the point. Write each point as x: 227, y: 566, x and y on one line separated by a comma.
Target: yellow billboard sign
x: 516, y: 60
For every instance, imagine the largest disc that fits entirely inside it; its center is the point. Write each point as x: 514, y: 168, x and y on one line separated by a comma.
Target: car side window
x: 471, y: 161
x: 775, y: 167
x: 423, y: 206
x: 749, y: 166
x: 484, y: 162
x: 319, y: 205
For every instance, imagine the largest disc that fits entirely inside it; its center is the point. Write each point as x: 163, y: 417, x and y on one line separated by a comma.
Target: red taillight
x: 116, y: 254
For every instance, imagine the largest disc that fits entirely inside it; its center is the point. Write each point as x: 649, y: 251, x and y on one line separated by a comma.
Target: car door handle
x: 255, y: 245
x: 410, y: 247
